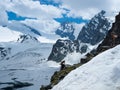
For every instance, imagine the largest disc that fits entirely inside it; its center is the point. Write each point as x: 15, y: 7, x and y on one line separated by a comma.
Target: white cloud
x: 34, y: 9
x: 45, y: 26
x: 88, y: 8
x: 44, y: 14
x: 3, y: 14
x: 87, y: 13
x: 78, y: 8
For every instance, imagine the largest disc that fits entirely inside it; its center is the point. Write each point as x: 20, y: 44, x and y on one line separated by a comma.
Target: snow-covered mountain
x: 95, y: 31
x: 61, y: 49
x: 25, y: 61
x: 101, y: 73
x: 25, y: 45
x: 91, y: 34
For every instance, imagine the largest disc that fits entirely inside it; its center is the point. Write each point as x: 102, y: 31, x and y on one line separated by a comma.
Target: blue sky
x: 77, y: 20
x: 50, y: 2
x: 64, y: 18
x: 14, y: 16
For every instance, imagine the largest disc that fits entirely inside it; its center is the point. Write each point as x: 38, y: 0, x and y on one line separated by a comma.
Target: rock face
x: 4, y: 51
x: 92, y: 33
x: 61, y: 48
x: 26, y: 39
x: 113, y: 37
x: 66, y: 30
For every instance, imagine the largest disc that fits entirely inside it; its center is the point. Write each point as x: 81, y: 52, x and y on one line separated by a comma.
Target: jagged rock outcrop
x: 92, y: 33
x: 26, y: 39
x: 4, y: 52
x: 66, y: 30
x: 113, y: 37
x: 61, y: 48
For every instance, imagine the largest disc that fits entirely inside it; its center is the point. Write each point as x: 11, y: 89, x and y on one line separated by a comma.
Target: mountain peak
x: 95, y: 30
x: 27, y: 38
x: 102, y: 13
x: 117, y: 18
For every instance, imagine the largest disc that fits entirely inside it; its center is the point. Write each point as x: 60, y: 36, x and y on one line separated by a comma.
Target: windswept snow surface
x: 27, y: 62
x: 101, y: 73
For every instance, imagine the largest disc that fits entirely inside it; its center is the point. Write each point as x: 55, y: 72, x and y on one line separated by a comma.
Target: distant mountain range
x: 91, y: 34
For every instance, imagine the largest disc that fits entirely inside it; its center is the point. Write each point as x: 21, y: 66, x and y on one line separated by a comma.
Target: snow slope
x: 101, y: 73
x: 35, y: 72
x: 27, y: 62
